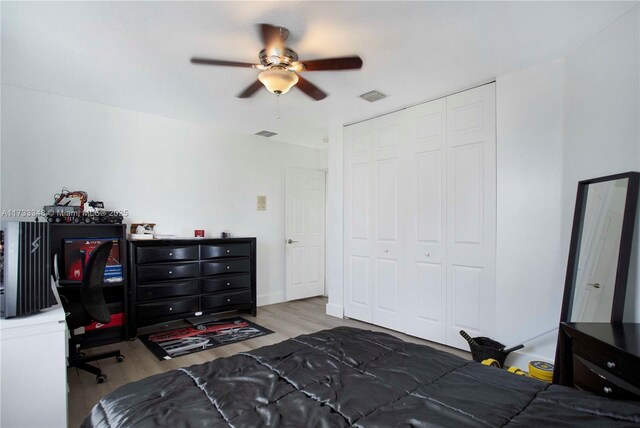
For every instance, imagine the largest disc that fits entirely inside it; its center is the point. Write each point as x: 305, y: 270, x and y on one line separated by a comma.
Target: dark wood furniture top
x: 603, y: 358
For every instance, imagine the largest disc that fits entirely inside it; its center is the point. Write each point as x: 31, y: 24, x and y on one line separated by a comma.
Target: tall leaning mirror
x: 600, y: 249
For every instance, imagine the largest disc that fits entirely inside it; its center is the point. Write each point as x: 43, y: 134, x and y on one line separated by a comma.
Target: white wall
x: 602, y: 130
x: 182, y: 176
x: 335, y: 228
x: 530, y: 265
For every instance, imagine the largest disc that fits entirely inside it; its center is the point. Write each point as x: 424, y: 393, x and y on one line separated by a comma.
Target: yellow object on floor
x: 491, y: 362
x: 541, y: 370
x: 517, y: 371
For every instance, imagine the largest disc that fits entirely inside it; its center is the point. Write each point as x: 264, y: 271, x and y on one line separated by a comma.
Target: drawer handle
x: 228, y: 283
x: 171, y: 254
x: 611, y: 364
x: 228, y: 251
x: 228, y: 267
x: 607, y: 390
x: 170, y: 308
x: 170, y: 272
x: 228, y: 300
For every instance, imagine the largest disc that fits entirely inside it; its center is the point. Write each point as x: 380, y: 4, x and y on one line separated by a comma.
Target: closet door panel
x: 466, y: 287
x: 425, y: 221
x: 388, y: 208
x: 471, y: 213
x: 358, y: 140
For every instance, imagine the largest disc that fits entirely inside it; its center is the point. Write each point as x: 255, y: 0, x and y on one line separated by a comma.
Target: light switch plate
x: 261, y: 204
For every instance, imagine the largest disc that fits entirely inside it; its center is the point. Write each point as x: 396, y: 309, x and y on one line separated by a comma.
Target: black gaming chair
x: 91, y: 307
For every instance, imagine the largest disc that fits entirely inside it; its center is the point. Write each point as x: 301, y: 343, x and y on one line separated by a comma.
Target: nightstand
x: 603, y: 358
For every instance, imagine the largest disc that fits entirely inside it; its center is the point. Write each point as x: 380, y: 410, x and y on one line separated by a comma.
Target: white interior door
x: 304, y: 239
x: 426, y: 271
x: 388, y: 214
x: 357, y: 221
x: 471, y: 213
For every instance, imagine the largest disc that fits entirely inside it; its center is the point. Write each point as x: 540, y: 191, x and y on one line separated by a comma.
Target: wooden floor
x: 287, y: 320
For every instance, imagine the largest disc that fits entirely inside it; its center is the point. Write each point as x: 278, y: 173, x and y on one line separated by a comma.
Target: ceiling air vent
x: 372, y: 96
x: 267, y: 134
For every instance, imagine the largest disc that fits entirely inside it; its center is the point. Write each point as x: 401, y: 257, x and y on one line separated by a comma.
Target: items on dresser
x: 182, y: 278
x: 603, y: 358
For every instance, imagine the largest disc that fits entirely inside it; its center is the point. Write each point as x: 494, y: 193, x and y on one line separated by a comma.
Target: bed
x: 351, y: 377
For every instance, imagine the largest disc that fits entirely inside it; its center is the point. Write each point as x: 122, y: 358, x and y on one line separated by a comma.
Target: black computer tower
x: 25, y: 268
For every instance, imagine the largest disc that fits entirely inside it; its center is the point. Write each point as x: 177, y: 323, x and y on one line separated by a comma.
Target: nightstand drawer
x: 227, y: 282
x: 167, y: 271
x: 163, y: 290
x: 617, y: 364
x: 224, y: 267
x: 146, y: 311
x: 591, y: 378
x: 211, y: 301
x: 225, y: 250
x: 166, y: 254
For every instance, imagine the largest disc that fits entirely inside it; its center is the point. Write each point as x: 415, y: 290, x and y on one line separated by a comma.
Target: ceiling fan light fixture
x: 278, y: 80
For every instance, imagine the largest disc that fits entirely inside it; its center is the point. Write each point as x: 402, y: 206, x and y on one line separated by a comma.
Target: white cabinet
x: 33, y: 370
x: 420, y: 215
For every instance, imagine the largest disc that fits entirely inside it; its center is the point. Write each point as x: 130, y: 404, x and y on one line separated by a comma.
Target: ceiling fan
x: 280, y: 66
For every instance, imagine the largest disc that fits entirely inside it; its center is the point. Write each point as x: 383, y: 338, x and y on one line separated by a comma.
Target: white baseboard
x: 335, y: 310
x: 270, y: 299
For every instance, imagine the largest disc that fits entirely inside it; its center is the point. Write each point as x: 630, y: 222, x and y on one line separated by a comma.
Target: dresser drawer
x: 591, y: 378
x: 147, y: 311
x: 225, y: 250
x: 163, y: 290
x: 166, y: 271
x: 229, y: 282
x: 166, y: 254
x: 211, y: 301
x: 223, y: 267
x: 616, y: 363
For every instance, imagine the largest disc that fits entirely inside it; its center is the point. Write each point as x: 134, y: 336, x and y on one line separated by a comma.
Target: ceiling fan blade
x: 310, y: 89
x: 205, y: 61
x: 344, y: 63
x: 252, y: 89
x: 274, y: 37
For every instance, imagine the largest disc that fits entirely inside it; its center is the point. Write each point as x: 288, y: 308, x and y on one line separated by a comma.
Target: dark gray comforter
x: 350, y: 377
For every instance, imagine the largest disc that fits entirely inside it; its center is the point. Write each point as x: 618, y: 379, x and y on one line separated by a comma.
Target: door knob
x: 289, y: 241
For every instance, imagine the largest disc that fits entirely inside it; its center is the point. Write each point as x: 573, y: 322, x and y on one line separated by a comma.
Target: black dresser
x: 181, y: 278
x: 603, y: 358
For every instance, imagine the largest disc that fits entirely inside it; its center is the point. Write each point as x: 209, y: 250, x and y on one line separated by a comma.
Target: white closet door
x: 471, y: 213
x: 388, y: 215
x: 357, y: 221
x: 426, y: 271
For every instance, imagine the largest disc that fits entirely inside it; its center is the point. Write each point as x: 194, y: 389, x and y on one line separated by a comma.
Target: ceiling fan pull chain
x: 277, y: 106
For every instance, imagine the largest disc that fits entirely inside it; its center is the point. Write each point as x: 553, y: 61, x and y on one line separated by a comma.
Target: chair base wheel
x: 101, y: 378
x: 120, y: 358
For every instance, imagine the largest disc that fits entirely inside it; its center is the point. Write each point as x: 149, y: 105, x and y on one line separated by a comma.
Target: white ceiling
x: 135, y: 55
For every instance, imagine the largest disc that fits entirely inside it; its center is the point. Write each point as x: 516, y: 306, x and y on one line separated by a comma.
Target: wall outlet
x: 261, y: 204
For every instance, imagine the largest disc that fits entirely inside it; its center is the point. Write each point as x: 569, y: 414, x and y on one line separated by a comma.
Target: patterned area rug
x: 183, y: 341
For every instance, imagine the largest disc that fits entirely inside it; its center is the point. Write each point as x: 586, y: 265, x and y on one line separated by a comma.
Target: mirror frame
x: 624, y: 254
